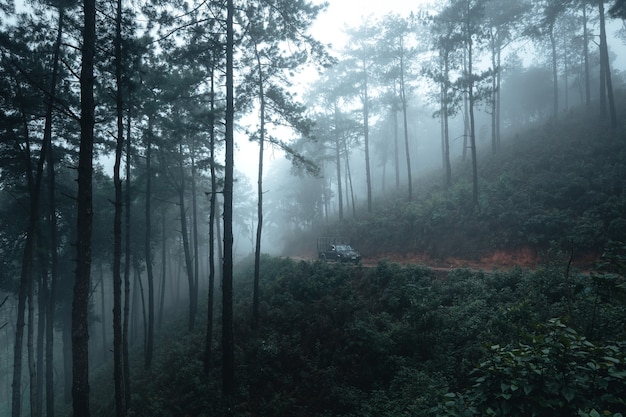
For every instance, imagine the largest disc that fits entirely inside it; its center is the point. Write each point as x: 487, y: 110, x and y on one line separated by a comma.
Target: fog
x: 366, y: 104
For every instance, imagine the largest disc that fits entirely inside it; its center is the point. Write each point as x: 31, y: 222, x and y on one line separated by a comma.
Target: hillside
x: 389, y: 339
x: 562, y: 182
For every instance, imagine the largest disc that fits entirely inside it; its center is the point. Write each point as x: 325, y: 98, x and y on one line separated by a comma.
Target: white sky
x: 349, y: 13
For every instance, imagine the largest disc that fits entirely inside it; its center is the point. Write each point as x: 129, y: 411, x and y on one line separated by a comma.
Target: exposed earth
x: 526, y: 258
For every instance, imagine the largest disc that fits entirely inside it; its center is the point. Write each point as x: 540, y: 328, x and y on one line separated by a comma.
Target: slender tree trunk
x: 498, y: 101
x: 103, y: 322
x: 67, y: 357
x: 471, y: 114
x: 80, y: 305
x: 496, y: 69
x: 555, y: 77
x: 586, y: 55
x: 26, y: 276
x: 52, y: 222
x: 466, y: 115
x: 127, y: 256
x: 163, y: 265
x: 338, y: 160
x: 349, y: 178
x: 42, y: 307
x: 445, y: 117
x: 148, y: 249
x: 366, y: 134
x: 32, y: 366
x: 257, y: 248
x: 118, y: 371
x: 194, y: 225
x: 185, y: 238
x: 228, y: 367
x: 212, y: 210
x: 396, y: 141
x: 406, y: 131
x: 143, y: 301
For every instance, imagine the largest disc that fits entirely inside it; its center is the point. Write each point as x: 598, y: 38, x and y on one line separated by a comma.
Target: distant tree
x: 362, y: 53
x: 396, y: 47
x: 470, y: 16
x: 445, y: 40
x: 549, y: 12
x: 503, y: 18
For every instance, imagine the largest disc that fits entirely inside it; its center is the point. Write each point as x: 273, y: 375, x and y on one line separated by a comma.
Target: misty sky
x: 342, y: 13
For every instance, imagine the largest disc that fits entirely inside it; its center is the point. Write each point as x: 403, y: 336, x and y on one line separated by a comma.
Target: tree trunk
x: 349, y: 178
x: 228, y: 367
x: 118, y: 371
x: 26, y: 276
x: 259, y: 227
x: 163, y: 266
x: 185, y: 238
x: 406, y: 131
x: 366, y: 135
x: 338, y: 160
x: 212, y: 210
x: 606, y: 67
x: 194, y: 226
x: 555, y: 76
x: 472, y: 121
x: 32, y: 366
x: 396, y: 142
x: 127, y: 256
x: 80, y: 304
x: 586, y: 55
x: 52, y: 223
x: 148, y: 249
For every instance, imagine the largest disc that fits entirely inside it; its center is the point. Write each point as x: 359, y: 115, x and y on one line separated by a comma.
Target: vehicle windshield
x: 344, y: 247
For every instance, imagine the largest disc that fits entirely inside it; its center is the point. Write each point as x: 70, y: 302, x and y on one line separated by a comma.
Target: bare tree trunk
x: 163, y: 265
x: 406, y: 130
x: 228, y: 343
x: 80, y: 304
x: 32, y: 366
x: 118, y: 371
x: 586, y: 55
x: 127, y: 256
x: 366, y: 135
x: 259, y: 227
x: 396, y: 144
x: 185, y: 237
x: 194, y: 225
x: 349, y: 179
x: 338, y: 160
x: 148, y: 249
x: 26, y: 276
x: 605, y: 67
x: 212, y: 211
x: 52, y: 223
x: 555, y: 77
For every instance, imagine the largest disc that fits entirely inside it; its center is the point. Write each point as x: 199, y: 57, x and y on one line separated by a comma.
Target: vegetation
x: 400, y: 341
x: 552, y: 183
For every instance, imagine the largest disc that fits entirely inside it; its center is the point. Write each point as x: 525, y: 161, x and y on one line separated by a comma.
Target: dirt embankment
x: 498, y: 260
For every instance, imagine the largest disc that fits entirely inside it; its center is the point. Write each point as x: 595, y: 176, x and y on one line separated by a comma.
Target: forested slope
x: 337, y: 340
x: 562, y: 181
x: 394, y: 340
